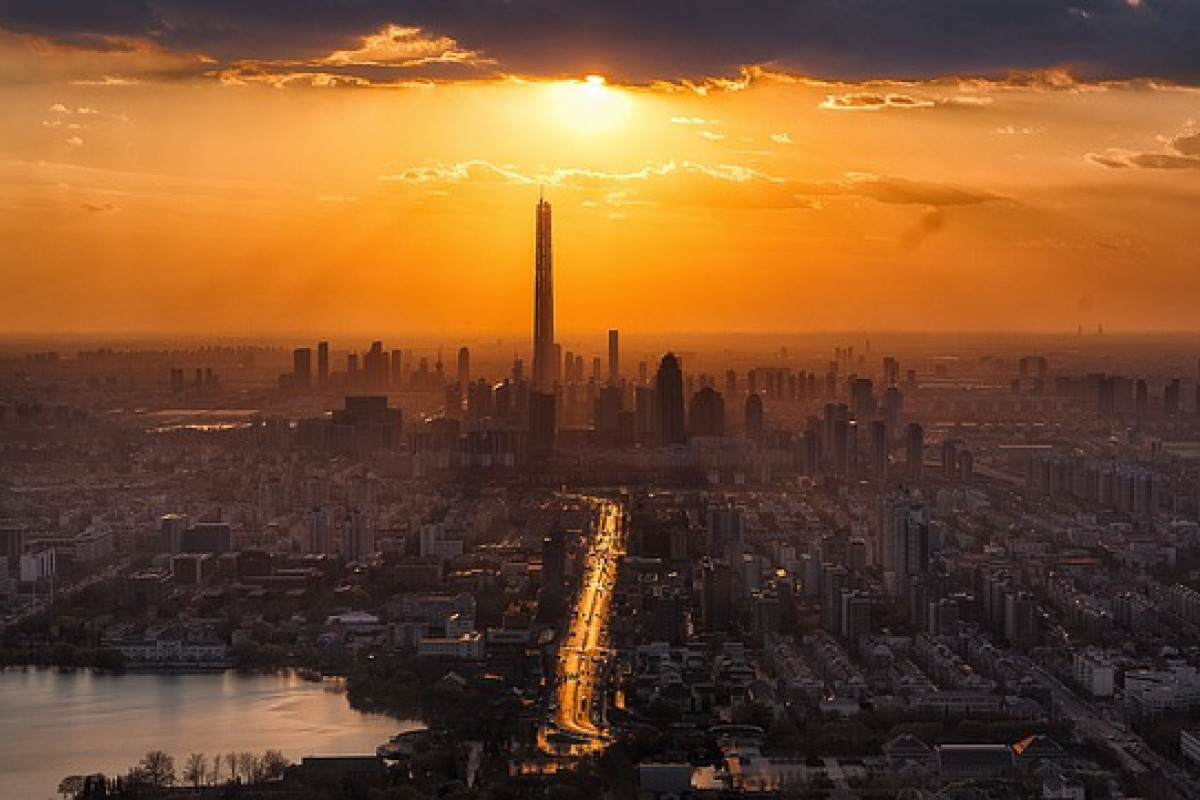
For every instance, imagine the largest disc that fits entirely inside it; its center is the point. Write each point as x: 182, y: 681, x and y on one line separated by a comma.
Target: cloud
x: 899, y: 191
x: 781, y: 138
x: 630, y: 40
x: 1180, y: 152
x: 690, y: 183
x: 376, y: 60
x: 98, y: 208
x: 694, y: 121
x: 248, y: 74
x: 399, y: 46
x: 92, y: 60
x: 1024, y: 130
x: 872, y: 101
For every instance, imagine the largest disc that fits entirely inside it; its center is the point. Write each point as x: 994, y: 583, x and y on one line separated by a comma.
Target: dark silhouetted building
x: 463, y: 375
x: 302, y: 369
x: 322, y: 365
x: 542, y: 421
x: 706, y: 413
x: 914, y: 451
x: 614, y: 364
x: 717, y: 584
x: 754, y: 416
x: 669, y: 393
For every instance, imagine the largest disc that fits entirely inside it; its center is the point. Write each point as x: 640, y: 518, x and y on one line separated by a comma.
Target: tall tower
x: 543, y: 304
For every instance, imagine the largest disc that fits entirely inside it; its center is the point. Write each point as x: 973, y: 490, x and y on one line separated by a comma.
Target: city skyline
x: 673, y: 400
x: 172, y: 173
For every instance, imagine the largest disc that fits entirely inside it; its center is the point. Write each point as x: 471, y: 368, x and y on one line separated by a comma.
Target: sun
x: 589, y: 106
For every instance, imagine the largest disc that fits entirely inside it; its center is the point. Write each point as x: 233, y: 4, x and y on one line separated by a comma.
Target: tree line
x: 157, y: 772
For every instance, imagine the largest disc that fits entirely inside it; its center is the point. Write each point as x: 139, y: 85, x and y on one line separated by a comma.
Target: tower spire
x: 544, y: 367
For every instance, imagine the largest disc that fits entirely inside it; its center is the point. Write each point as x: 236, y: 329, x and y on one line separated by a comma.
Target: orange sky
x: 246, y: 202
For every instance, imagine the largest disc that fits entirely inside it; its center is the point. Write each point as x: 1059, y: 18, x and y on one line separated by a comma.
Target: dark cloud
x: 636, y: 40
x: 80, y: 20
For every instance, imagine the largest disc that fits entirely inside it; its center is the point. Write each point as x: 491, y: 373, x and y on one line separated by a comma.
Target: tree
x: 195, y: 769
x: 71, y: 786
x: 273, y: 765
x: 159, y: 768
x: 248, y: 766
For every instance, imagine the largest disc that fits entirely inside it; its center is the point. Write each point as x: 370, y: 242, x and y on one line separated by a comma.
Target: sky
x: 288, y: 167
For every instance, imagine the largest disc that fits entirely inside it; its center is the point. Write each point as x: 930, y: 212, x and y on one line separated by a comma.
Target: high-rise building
x: 879, y: 449
x: 358, y: 538
x: 543, y: 304
x: 375, y: 364
x: 463, y: 376
x: 706, y: 413
x: 914, y: 451
x: 302, y: 369
x: 172, y: 528
x: 904, y: 545
x: 322, y: 365
x: 396, y: 360
x: 646, y: 410
x: 716, y: 580
x: 835, y: 579
x: 1171, y: 395
x: 754, y: 416
x: 669, y: 394
x: 614, y: 364
x: 891, y: 371
x: 542, y: 421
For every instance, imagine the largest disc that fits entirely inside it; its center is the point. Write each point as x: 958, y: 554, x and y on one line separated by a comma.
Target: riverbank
x: 94, y: 721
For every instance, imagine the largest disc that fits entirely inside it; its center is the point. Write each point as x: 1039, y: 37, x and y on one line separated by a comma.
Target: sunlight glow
x: 589, y: 106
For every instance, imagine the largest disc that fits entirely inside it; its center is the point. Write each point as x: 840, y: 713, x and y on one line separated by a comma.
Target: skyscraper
x: 914, y: 450
x: 669, y: 392
x: 614, y: 367
x: 754, y: 415
x: 302, y: 369
x: 463, y: 374
x: 323, y: 365
x: 543, y: 304
x: 706, y: 413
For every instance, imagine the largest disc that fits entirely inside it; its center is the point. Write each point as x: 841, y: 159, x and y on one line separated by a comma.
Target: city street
x: 576, y: 724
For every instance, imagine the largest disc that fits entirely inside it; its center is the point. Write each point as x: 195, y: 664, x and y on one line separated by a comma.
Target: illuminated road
x: 575, y: 725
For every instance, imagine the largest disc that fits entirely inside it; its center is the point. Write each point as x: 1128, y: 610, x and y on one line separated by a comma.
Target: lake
x: 54, y: 724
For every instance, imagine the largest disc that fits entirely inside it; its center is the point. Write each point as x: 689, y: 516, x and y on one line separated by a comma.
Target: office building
x: 754, y: 416
x: 914, y: 450
x: 669, y: 395
x: 706, y: 413
x: 463, y: 374
x: 322, y: 365
x: 302, y: 369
